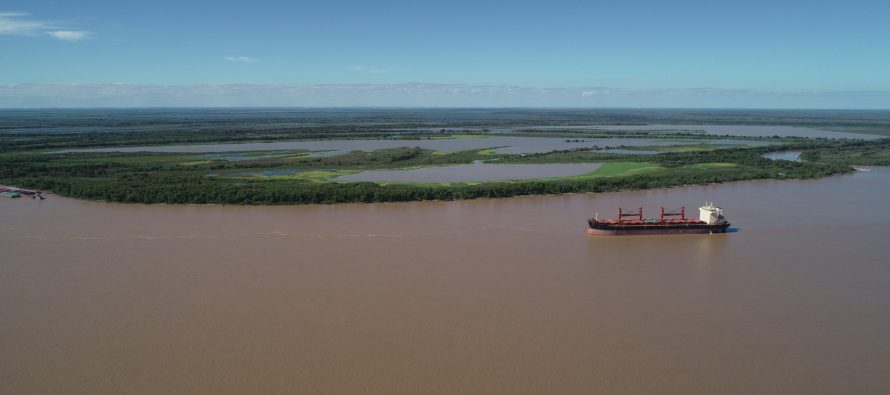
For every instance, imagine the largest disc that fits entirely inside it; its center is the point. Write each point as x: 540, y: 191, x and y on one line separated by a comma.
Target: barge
x: 710, y: 220
x: 15, y: 193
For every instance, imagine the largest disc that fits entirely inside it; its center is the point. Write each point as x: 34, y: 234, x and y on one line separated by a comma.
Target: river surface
x: 483, y: 296
x: 504, y: 144
x: 719, y: 130
x: 732, y: 130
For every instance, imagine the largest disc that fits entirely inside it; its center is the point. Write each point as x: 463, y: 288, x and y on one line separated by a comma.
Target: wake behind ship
x: 710, y: 220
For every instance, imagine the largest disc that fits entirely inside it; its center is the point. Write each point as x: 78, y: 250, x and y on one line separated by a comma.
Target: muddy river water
x: 481, y: 296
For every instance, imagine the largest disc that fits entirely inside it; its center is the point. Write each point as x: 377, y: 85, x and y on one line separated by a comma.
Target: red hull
x: 615, y: 232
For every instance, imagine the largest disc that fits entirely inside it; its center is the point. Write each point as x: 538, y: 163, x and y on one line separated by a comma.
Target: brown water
x: 506, y: 296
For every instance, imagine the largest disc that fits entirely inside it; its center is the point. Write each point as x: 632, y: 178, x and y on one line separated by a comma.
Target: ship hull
x: 601, y: 229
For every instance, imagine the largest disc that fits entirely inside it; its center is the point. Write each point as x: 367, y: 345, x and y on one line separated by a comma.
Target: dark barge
x: 17, y: 193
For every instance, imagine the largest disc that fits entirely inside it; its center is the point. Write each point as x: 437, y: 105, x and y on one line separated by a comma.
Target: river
x: 501, y: 144
x: 482, y: 296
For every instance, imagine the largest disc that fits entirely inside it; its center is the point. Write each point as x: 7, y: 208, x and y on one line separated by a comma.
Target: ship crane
x: 622, y: 214
x: 676, y: 213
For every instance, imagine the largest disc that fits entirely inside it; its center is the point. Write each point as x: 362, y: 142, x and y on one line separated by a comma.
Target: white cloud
x: 591, y: 92
x: 21, y: 24
x: 419, y: 95
x: 17, y: 23
x: 70, y: 35
x: 366, y: 69
x: 241, y: 59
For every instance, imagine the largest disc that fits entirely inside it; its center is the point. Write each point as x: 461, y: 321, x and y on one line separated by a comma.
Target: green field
x: 622, y: 169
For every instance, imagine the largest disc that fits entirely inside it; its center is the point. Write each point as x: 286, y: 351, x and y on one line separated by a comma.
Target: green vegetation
x: 191, y: 178
x: 29, y: 157
x: 619, y: 169
x: 314, y: 176
x: 875, y: 153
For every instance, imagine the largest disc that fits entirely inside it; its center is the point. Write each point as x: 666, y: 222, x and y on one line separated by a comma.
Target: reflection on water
x: 244, y: 156
x: 629, y: 151
x: 745, y: 130
x: 480, y: 296
x: 720, y: 130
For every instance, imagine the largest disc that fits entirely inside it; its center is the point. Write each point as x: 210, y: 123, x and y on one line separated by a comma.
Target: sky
x: 763, y: 54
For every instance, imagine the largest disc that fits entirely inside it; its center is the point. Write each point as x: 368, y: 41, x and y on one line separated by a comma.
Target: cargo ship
x: 710, y: 220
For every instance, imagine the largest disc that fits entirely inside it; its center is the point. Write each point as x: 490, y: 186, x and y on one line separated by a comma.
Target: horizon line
x: 679, y: 108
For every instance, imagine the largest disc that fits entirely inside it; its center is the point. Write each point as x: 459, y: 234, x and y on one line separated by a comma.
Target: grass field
x: 314, y: 176
x: 618, y: 169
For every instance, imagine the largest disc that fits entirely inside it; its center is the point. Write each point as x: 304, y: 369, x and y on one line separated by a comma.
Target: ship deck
x: 651, y: 222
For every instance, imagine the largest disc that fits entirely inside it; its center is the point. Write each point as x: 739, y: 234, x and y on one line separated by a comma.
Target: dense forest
x: 179, y: 178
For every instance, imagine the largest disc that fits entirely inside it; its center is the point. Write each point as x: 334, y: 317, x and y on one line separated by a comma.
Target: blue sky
x: 747, y: 49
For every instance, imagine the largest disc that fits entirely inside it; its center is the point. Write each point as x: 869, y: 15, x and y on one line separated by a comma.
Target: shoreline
x: 857, y: 169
